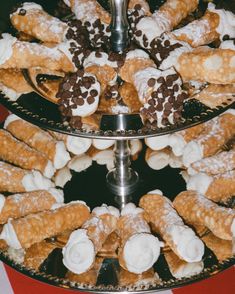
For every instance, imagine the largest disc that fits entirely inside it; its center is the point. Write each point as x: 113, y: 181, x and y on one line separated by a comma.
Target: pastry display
x: 177, y: 69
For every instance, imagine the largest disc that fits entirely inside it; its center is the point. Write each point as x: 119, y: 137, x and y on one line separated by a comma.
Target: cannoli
x: 223, y: 249
x: 103, y: 157
x: 78, y: 95
x: 101, y: 144
x: 16, y: 180
x: 217, y: 132
x: 80, y: 162
x: 36, y: 254
x: 180, y: 268
x: 19, y: 205
x: 19, y: 54
x: 20, y: 154
x: 218, y: 188
x: 38, y: 139
x: 139, y: 248
x: 148, y: 277
x: 175, y: 161
x: 214, y: 66
x: 135, y: 148
x: 157, y: 159
x: 135, y: 61
x: 44, y: 224
x: 129, y: 97
x: 158, y: 142
x: 216, y: 164
x: 215, y: 24
x: 103, y: 66
x: 165, y: 97
x: 31, y: 19
x: 195, y: 208
x: 88, y: 278
x: 178, y: 140
x: 83, y: 244
x: 62, y: 176
x: 163, y: 20
x: 75, y: 145
x: 110, y: 246
x: 13, y: 84
x: 215, y: 95
x: 165, y: 220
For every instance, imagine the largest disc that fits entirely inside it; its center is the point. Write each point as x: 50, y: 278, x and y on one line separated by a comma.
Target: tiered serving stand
x: 127, y: 182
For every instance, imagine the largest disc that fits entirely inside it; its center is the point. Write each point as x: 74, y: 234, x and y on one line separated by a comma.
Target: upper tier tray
x: 45, y: 114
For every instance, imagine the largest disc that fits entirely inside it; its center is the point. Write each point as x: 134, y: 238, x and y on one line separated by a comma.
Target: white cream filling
x: 17, y: 255
x: 233, y: 228
x: 150, y: 27
x: 158, y: 142
x: 177, y: 144
x: 140, y: 252
x: 188, y: 269
x: 101, y: 61
x: 10, y: 119
x: 105, y: 209
x: 135, y: 146
x: 57, y: 194
x: 8, y: 234
x: 229, y: 44
x: 49, y: 170
x: 227, y: 21
x: 156, y: 192
x: 62, y: 156
x: 102, y: 144
x: 131, y: 208
x: 80, y: 162
x: 137, y: 53
x: 192, y: 152
x: 2, y: 202
x: 199, y: 182
x: 158, y: 160
x: 62, y: 177
x: 79, y: 252
x: 175, y: 161
x: 230, y: 111
x: 36, y: 181
x: 6, y: 47
x: 77, y: 145
x: 104, y: 157
x: 188, y: 245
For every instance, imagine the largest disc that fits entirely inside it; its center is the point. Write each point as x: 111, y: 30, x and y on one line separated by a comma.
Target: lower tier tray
x: 90, y: 186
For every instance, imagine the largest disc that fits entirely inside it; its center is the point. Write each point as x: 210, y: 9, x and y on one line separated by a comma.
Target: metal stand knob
x: 122, y: 180
x: 119, y: 25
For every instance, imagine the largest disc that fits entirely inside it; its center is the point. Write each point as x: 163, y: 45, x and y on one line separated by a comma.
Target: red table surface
x: 13, y: 282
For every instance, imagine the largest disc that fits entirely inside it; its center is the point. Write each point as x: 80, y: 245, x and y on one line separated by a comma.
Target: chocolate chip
x: 138, y: 33
x: 84, y: 94
x: 66, y: 86
x: 93, y: 93
x: 90, y: 100
x: 161, y: 80
x: 80, y: 101
x: 151, y: 82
